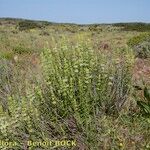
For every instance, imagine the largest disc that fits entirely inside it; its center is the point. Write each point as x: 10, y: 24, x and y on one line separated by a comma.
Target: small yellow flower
x: 76, y: 71
x: 133, y: 142
x: 54, y: 102
x: 16, y: 58
x: 110, y: 83
x: 121, y: 144
x: 117, y: 61
x: 111, y: 78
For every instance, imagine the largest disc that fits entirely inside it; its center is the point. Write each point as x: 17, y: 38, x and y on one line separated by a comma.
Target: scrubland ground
x: 73, y: 82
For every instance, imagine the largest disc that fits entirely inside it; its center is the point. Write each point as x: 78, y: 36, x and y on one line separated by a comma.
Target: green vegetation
x: 139, y: 27
x: 141, y: 45
x: 72, y: 82
x: 139, y: 39
x: 144, y: 104
x: 28, y: 24
x: 6, y: 55
x: 20, y: 49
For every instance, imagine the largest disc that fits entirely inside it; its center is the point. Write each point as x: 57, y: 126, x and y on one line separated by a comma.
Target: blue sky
x: 78, y: 11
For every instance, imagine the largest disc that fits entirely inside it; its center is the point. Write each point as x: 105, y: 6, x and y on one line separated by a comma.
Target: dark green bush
x: 78, y: 78
x: 140, y: 45
x: 21, y: 49
x: 95, y: 28
x: 139, y: 39
x: 27, y: 25
x: 44, y: 33
x: 140, y: 27
x: 142, y: 50
x: 144, y: 103
x: 6, y: 55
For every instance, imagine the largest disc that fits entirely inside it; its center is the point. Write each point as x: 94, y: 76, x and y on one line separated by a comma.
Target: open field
x: 85, y: 83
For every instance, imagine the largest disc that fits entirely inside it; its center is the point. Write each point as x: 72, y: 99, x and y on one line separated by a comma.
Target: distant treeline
x: 24, y: 24
x: 141, y: 27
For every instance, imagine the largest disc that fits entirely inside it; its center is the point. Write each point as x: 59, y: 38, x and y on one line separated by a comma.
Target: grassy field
x: 79, y: 87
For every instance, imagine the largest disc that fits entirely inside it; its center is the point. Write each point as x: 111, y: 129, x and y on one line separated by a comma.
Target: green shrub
x: 139, y: 27
x: 79, y: 85
x: 142, y: 50
x: 44, y: 33
x: 144, y: 103
x: 6, y: 77
x: 27, y: 25
x: 95, y: 28
x: 6, y: 55
x: 135, y: 41
x: 22, y: 123
x: 78, y: 78
x: 78, y: 88
x: 21, y: 49
x: 140, y: 45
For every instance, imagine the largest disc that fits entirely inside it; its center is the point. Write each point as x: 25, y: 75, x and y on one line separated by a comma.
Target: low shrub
x: 78, y: 89
x: 139, y: 27
x: 6, y: 55
x: 144, y: 103
x: 142, y: 50
x: 77, y: 78
x: 27, y: 25
x: 21, y: 49
x: 44, y: 33
x: 136, y: 40
x: 141, y: 45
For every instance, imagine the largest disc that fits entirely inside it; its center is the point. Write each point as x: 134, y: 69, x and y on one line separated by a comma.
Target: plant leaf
x: 144, y: 106
x: 147, y: 93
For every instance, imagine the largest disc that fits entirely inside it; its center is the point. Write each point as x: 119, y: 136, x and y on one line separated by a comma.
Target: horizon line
x: 96, y: 23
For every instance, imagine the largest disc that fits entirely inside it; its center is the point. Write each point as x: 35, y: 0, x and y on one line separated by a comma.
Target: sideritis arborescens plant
x: 81, y: 82
x: 79, y: 85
